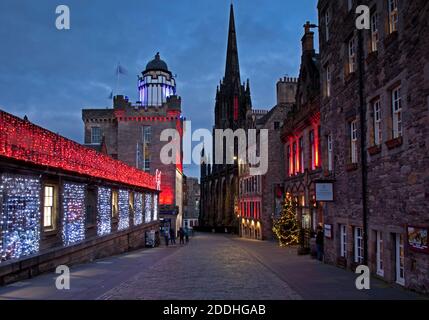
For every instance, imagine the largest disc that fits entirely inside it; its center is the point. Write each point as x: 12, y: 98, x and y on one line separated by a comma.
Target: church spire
x: 232, y: 69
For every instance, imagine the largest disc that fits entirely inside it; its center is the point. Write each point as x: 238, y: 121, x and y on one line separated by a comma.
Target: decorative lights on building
x: 124, y: 210
x: 155, y: 207
x: 22, y: 140
x: 74, y: 213
x: 104, y: 216
x: 138, y: 208
x: 20, y: 217
x: 148, y: 208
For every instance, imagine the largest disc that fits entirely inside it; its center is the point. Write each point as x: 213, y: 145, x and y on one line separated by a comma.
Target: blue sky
x: 50, y: 75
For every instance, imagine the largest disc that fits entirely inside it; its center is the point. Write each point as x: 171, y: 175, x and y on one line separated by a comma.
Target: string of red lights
x: 22, y: 140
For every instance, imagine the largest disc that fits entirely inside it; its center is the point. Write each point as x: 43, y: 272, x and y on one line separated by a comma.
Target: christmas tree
x: 286, y: 226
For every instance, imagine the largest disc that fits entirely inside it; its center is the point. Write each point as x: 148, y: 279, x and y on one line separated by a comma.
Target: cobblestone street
x: 209, y: 267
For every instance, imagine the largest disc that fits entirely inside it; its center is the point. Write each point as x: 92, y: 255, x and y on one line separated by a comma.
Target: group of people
x: 170, y: 236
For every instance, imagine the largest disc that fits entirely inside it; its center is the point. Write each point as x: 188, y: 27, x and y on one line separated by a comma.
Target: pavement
x: 210, y: 267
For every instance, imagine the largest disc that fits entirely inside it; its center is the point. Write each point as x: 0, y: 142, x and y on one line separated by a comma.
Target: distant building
x: 63, y: 203
x: 219, y: 182
x: 191, y: 204
x: 375, y: 128
x: 131, y: 133
x: 260, y: 197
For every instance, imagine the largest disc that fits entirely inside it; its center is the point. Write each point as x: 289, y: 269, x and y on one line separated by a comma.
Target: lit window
x: 358, y: 235
x: 374, y: 32
x: 313, y: 151
x: 393, y: 15
x: 343, y: 240
x: 400, y: 259
x: 377, y: 123
x: 353, y: 141
x: 295, y: 156
x: 397, y: 112
x: 301, y: 154
x: 95, y: 135
x: 327, y: 25
x: 49, y: 207
x: 352, y: 55
x: 330, y: 153
x: 114, y: 203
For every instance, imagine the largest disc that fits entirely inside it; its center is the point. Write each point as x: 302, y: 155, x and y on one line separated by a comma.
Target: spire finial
x: 232, y: 69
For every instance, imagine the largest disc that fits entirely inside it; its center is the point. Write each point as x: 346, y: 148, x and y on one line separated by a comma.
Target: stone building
x: 191, y: 203
x: 301, y: 139
x: 131, y: 133
x: 375, y: 129
x: 219, y: 182
x: 62, y: 203
x: 259, y: 198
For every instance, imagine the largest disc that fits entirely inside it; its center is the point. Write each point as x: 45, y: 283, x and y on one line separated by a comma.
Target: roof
x: 157, y: 64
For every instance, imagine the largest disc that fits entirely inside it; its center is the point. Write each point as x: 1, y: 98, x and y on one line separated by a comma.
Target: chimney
x: 308, y: 38
x: 286, y: 90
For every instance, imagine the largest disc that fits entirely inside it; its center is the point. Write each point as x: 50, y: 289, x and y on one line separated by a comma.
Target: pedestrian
x: 166, y: 236
x: 182, y: 236
x: 319, y: 243
x: 172, y: 237
x: 187, y: 235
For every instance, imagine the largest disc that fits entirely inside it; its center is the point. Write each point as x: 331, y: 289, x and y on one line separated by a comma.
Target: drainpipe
x: 363, y: 144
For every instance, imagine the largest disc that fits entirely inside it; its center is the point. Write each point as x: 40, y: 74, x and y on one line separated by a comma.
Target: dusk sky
x: 50, y: 75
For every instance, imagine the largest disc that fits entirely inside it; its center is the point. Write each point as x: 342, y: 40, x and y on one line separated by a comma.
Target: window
x: 50, y: 207
x: 294, y: 158
x: 374, y: 32
x: 400, y: 273
x: 379, y: 253
x: 352, y: 55
x: 330, y: 153
x: 131, y: 202
x: 290, y: 157
x: 312, y: 151
x: 377, y: 122
x: 393, y: 15
x: 115, y: 203
x: 343, y: 240
x: 353, y: 142
x: 397, y: 112
x: 358, y: 235
x: 95, y: 135
x: 328, y: 81
x: 301, y: 154
x: 276, y: 125
x: 147, y: 134
x: 327, y: 17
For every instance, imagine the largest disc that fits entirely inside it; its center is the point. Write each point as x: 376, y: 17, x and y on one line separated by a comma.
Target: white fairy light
x: 74, y: 213
x: 104, y: 216
x: 138, y: 208
x: 124, y: 210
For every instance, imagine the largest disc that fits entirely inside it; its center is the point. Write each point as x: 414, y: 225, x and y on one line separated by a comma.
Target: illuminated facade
x: 131, y: 133
x: 59, y: 196
x: 301, y: 139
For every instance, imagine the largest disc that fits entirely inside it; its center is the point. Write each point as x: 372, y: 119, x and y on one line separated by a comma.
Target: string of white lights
x: 148, y: 208
x: 124, y: 210
x: 20, y: 216
x: 74, y: 213
x: 104, y: 216
x: 138, y: 208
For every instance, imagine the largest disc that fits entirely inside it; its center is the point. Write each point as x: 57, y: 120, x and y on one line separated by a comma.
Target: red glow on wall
x: 235, y: 108
x: 167, y: 194
x: 22, y: 140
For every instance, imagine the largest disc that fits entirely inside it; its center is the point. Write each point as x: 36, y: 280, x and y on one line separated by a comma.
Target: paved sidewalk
x: 211, y: 266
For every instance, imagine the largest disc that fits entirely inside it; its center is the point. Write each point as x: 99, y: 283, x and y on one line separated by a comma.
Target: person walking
x: 166, y: 236
x: 319, y: 243
x: 187, y: 235
x: 182, y: 236
x: 172, y: 237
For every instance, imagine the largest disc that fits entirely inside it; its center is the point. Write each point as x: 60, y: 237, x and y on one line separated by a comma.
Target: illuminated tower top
x: 156, y: 83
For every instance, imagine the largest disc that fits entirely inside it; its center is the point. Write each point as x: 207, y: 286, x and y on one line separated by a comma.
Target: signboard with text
x: 324, y: 191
